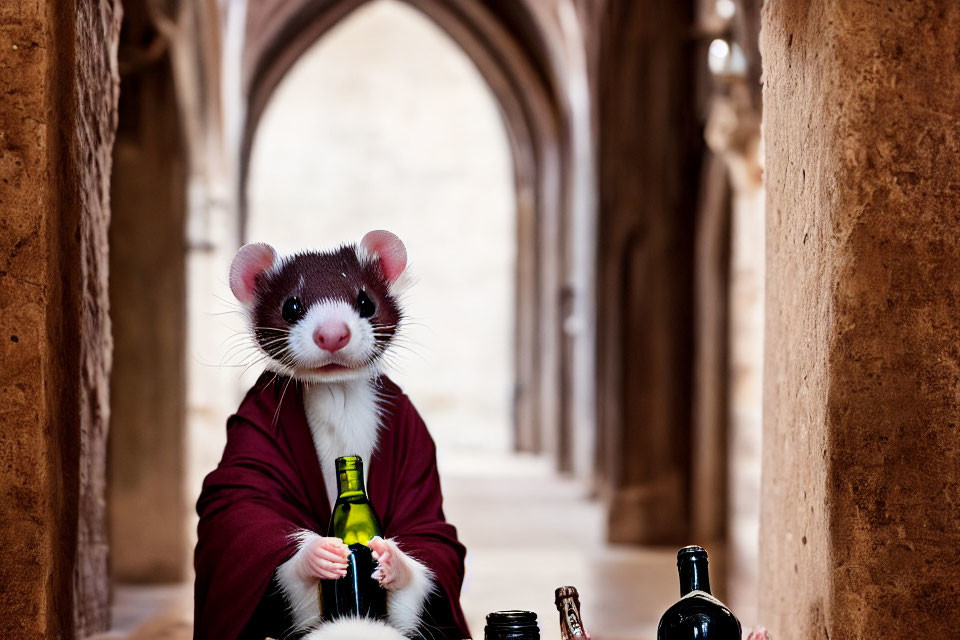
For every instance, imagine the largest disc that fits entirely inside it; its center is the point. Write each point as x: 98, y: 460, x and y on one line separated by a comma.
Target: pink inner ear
x: 393, y: 255
x: 251, y: 260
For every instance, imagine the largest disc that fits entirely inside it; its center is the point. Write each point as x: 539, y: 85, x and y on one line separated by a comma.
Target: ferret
x: 327, y: 319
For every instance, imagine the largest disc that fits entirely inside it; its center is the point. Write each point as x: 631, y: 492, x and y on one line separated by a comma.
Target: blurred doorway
x: 385, y: 123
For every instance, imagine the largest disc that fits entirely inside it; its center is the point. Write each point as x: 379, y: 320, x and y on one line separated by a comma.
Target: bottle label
x: 702, y: 594
x: 572, y: 617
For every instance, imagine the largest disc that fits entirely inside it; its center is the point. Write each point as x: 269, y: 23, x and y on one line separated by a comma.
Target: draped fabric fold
x: 269, y: 485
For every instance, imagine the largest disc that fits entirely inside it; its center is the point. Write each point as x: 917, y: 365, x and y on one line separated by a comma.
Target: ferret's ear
x: 390, y: 250
x: 251, y: 261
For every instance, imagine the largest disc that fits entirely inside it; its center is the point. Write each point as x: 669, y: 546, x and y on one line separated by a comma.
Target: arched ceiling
x: 502, y: 37
x: 272, y: 24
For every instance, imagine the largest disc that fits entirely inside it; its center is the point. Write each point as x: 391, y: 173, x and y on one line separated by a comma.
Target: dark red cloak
x: 269, y: 484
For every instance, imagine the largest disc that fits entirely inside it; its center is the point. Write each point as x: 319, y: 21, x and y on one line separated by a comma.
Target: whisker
x: 276, y: 415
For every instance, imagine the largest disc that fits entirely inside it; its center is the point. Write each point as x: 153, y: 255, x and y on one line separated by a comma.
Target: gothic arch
x: 518, y: 72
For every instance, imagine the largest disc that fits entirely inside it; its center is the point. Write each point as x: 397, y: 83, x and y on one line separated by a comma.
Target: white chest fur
x: 344, y: 419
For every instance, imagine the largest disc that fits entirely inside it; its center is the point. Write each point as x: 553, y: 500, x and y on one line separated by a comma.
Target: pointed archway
x: 509, y: 51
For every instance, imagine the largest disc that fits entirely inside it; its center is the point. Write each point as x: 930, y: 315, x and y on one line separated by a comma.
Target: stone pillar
x: 649, y: 155
x: 860, y: 528
x: 733, y: 133
x: 148, y: 502
x: 709, y: 466
x: 59, y: 80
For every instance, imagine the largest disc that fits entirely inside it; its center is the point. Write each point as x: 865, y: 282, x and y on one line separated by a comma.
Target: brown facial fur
x: 333, y: 275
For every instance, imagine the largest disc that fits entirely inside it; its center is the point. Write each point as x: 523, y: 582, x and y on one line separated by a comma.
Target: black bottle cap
x: 511, y: 625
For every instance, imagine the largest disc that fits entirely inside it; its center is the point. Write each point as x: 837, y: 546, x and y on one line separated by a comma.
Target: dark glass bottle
x: 568, y: 603
x: 354, y: 521
x: 511, y: 625
x: 697, y: 615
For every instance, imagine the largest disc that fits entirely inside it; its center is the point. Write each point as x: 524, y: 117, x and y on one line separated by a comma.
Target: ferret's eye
x: 365, y: 305
x: 292, y: 310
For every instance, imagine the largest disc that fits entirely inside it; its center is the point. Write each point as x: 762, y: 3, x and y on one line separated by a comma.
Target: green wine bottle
x: 354, y: 521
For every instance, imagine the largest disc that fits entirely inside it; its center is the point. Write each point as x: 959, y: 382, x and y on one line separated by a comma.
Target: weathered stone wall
x: 859, y: 525
x: 95, y: 120
x: 58, y: 75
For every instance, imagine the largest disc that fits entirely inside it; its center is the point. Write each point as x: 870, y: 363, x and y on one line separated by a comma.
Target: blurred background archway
x: 498, y: 131
x: 405, y: 136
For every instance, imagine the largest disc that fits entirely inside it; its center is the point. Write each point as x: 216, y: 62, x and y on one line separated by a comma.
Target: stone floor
x: 527, y: 532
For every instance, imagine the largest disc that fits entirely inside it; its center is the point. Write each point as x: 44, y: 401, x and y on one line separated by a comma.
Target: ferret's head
x: 323, y: 316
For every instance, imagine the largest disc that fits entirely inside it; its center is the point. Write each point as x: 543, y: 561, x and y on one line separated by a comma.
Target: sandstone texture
x: 58, y: 75
x: 860, y: 524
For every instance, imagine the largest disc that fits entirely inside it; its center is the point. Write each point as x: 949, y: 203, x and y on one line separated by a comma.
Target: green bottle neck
x: 350, y: 482
x: 350, y: 476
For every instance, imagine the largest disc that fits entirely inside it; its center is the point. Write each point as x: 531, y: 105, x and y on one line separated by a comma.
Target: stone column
x: 733, y: 133
x: 860, y: 526
x: 57, y: 119
x: 709, y: 465
x: 649, y: 151
x: 148, y: 501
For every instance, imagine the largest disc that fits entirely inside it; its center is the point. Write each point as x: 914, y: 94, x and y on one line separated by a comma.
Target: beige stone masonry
x: 860, y: 524
x: 57, y: 121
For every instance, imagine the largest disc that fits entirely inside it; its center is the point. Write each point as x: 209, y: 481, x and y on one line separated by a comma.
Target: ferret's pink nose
x: 332, y: 336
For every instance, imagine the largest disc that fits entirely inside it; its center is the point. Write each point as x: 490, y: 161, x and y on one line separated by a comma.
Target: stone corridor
x: 654, y: 144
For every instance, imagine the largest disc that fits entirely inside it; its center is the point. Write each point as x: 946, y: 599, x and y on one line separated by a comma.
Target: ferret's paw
x: 393, y: 570
x: 354, y: 629
x: 324, y: 559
